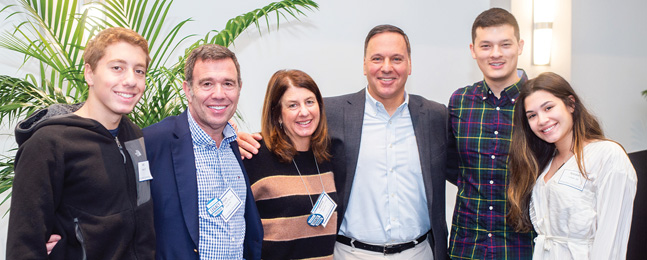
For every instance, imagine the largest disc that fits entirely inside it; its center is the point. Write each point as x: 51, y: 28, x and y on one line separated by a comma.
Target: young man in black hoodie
x: 81, y: 170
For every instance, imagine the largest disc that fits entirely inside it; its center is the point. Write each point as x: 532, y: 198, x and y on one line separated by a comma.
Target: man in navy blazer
x: 172, y: 145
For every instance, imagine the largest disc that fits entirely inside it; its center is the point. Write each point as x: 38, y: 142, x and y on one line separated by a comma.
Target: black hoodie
x: 73, y: 178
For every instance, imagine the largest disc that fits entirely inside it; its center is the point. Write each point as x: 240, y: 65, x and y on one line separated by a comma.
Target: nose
x: 130, y: 79
x: 218, y: 92
x: 496, y: 51
x: 542, y: 119
x: 387, y: 66
x: 303, y: 110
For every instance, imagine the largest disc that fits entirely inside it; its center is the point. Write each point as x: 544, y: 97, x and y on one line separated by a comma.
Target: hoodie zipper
x: 121, y: 149
x: 79, y: 236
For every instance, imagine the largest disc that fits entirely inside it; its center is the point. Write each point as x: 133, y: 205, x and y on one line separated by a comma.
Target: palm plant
x: 53, y: 33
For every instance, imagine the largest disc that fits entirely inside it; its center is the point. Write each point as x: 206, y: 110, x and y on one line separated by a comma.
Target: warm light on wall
x: 542, y: 36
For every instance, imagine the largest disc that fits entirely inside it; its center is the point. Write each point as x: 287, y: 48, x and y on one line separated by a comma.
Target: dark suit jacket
x: 174, y: 188
x: 345, y: 117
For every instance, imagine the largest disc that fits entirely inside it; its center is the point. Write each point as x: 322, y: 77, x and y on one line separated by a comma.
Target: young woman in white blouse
x: 574, y: 186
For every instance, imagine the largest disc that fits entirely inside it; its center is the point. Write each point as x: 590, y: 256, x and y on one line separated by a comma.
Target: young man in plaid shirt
x: 481, y: 119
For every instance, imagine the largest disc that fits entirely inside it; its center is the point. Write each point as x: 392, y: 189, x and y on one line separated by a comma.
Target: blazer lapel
x: 185, y: 175
x: 420, y: 121
x: 353, y: 121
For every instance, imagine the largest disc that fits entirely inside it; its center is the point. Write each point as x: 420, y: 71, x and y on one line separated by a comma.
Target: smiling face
x: 213, y: 94
x: 387, y: 66
x: 549, y: 118
x: 496, y: 50
x: 299, y: 116
x: 117, y: 82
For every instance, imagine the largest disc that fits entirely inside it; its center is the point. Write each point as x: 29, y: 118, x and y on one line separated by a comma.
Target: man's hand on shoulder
x: 248, y: 144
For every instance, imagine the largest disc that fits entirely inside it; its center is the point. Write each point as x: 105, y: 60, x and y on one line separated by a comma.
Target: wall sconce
x: 542, y: 34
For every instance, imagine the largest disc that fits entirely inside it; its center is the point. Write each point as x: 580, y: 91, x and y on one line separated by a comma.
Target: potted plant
x: 54, y: 34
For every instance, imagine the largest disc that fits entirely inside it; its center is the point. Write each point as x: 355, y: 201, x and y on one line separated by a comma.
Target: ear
x: 410, y: 68
x: 88, y: 74
x: 521, y: 42
x: 571, y: 106
x: 187, y: 91
x: 472, y: 50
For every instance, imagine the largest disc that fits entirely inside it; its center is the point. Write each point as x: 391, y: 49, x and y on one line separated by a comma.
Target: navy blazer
x: 345, y: 116
x: 174, y: 188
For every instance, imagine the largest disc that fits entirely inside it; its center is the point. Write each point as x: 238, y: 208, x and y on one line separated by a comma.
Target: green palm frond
x: 162, y: 99
x: 22, y: 96
x: 151, y: 25
x: 53, y: 33
x: 6, y: 177
x: 237, y: 25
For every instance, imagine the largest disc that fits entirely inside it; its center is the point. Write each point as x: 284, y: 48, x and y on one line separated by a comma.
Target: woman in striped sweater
x: 291, y: 175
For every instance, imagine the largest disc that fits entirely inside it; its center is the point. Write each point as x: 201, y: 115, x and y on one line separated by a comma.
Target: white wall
x: 608, y: 68
x: 597, y: 47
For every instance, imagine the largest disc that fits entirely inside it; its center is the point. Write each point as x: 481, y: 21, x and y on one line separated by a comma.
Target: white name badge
x: 144, y: 171
x: 573, y: 179
x: 325, y: 206
x: 231, y: 203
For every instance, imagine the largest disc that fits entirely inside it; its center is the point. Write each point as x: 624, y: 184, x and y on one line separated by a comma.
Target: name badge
x: 324, y: 207
x: 231, y: 203
x: 215, y: 207
x: 144, y: 171
x: 573, y: 179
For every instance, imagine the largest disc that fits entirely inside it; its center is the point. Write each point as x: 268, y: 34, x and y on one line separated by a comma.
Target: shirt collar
x: 201, y: 138
x: 511, y: 92
x: 373, y: 106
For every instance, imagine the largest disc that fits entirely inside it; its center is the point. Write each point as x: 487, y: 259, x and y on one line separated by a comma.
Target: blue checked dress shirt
x: 217, y: 170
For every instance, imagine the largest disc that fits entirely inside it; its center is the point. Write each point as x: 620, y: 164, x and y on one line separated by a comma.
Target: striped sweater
x: 284, y: 205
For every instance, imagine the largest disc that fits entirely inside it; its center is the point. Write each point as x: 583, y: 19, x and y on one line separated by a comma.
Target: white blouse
x: 576, y: 218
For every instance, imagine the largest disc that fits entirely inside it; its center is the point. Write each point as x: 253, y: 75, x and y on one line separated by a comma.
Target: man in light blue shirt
x: 390, y: 150
x: 388, y: 160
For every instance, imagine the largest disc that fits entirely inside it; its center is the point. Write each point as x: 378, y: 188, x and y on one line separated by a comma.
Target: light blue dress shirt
x: 387, y: 203
x: 217, y: 170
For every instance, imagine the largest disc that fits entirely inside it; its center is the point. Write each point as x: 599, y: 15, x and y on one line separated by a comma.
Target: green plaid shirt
x: 482, y: 125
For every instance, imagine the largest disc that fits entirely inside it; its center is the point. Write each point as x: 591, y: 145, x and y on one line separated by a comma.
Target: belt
x: 387, y: 249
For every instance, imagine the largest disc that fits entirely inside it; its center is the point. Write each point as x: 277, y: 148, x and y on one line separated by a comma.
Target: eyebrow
x: 296, y: 100
x: 542, y: 105
x: 124, y: 62
x: 211, y: 79
x: 493, y: 42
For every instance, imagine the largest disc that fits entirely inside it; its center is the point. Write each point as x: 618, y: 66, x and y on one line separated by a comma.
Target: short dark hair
x: 96, y: 47
x: 495, y: 17
x: 209, y: 52
x: 383, y: 28
x: 275, y: 138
